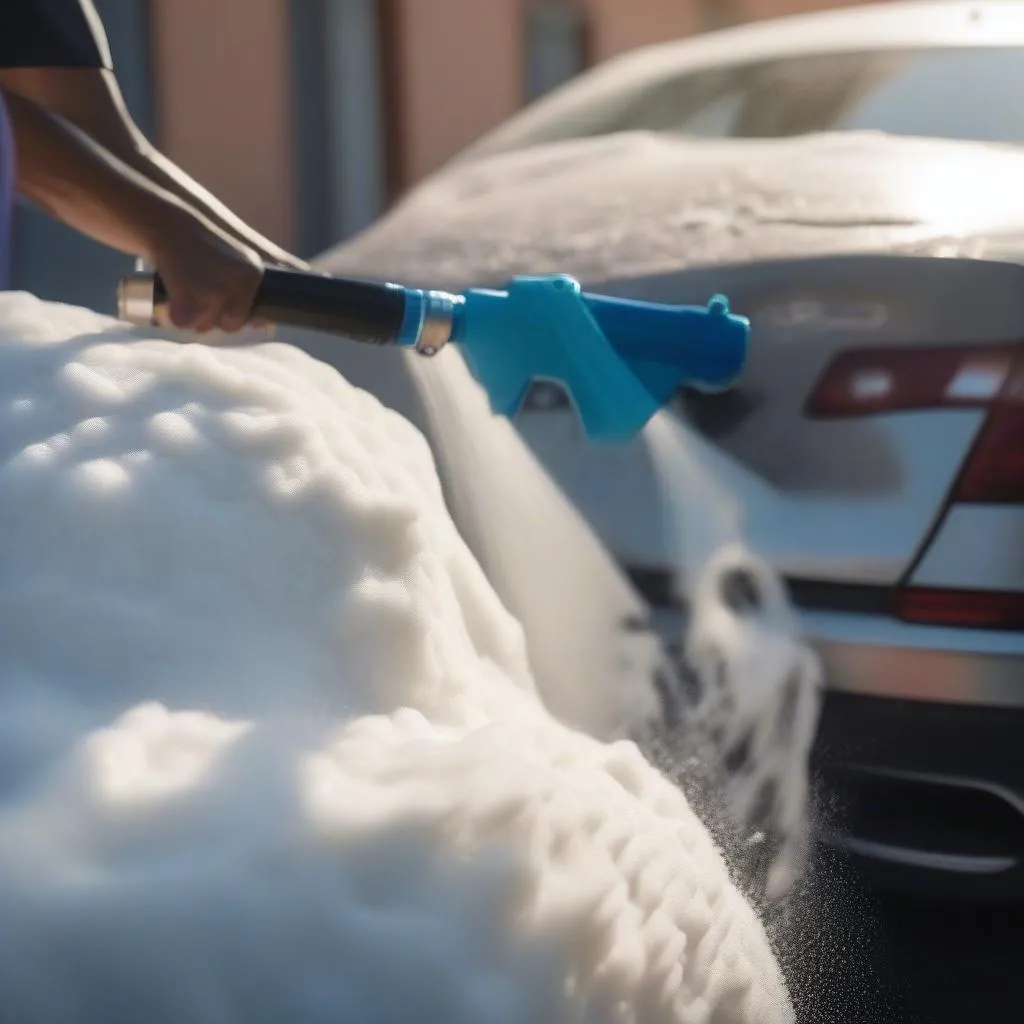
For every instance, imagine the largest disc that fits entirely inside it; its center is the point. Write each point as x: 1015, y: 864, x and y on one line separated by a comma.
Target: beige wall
x: 620, y: 25
x: 458, y: 74
x: 460, y: 66
x: 222, y: 102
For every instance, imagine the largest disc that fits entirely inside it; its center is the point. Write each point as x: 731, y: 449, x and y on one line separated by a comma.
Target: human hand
x: 211, y: 263
x: 211, y: 279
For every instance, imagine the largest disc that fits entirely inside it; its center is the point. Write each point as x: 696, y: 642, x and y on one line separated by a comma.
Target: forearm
x: 91, y: 100
x: 84, y: 185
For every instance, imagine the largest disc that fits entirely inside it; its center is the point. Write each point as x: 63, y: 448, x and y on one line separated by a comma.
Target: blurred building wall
x: 620, y: 25
x: 221, y: 101
x: 456, y: 67
x: 460, y: 63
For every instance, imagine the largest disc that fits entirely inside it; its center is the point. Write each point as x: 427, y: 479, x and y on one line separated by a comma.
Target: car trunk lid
x: 853, y: 495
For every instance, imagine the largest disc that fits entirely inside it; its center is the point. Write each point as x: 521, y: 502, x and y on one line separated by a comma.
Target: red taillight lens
x: 994, y: 471
x: 877, y: 381
x: 874, y: 381
x: 978, y: 609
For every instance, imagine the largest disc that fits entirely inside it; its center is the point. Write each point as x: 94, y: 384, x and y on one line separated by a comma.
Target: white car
x: 854, y: 182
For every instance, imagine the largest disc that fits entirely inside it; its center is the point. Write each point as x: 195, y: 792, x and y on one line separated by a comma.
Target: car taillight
x: 870, y: 382
x: 878, y: 381
x: 994, y: 471
x: 990, y: 378
x: 978, y: 609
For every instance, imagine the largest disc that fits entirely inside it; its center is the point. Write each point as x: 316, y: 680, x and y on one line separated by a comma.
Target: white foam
x: 538, y: 552
x: 633, y: 204
x: 270, y: 747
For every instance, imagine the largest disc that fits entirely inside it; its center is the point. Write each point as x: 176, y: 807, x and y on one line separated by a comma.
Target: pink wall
x: 460, y: 67
x: 458, y: 74
x: 620, y: 25
x: 223, y: 93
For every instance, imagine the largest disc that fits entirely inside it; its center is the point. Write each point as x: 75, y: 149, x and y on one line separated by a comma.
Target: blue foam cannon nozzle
x: 620, y: 360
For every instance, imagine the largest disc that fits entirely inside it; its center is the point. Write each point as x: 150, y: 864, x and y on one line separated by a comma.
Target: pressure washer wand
x: 619, y: 359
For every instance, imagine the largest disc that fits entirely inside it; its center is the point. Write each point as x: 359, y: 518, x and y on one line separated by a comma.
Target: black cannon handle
x: 364, y: 311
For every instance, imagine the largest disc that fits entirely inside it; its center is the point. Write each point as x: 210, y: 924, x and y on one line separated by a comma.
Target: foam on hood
x: 621, y: 206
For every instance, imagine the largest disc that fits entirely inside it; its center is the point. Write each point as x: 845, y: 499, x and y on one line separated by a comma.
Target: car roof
x: 912, y: 24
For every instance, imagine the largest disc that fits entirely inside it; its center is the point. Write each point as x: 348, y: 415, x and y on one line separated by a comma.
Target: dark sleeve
x: 52, y: 34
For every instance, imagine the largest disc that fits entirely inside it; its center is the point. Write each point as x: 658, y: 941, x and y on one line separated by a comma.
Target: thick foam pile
x: 269, y: 744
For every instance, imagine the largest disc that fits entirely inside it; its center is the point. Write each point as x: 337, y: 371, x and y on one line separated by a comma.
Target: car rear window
x: 951, y: 94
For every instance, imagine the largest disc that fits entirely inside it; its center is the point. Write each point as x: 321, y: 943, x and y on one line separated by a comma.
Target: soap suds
x: 270, y: 745
x: 636, y: 204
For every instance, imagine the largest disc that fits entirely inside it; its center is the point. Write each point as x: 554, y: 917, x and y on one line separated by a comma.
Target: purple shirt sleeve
x: 6, y: 194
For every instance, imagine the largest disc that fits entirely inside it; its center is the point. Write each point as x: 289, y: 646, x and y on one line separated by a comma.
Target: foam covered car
x: 852, y: 180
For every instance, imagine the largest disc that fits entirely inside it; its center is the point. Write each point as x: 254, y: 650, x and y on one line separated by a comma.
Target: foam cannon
x: 619, y: 360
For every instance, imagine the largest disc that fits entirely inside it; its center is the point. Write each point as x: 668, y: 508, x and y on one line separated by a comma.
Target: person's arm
x: 211, y: 279
x: 91, y: 99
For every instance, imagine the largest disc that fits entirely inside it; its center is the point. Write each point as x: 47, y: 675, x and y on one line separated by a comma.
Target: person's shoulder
x: 52, y: 33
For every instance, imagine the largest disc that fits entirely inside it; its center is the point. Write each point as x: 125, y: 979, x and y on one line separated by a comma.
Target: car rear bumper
x: 920, y: 754
x: 876, y: 655
x: 927, y: 797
